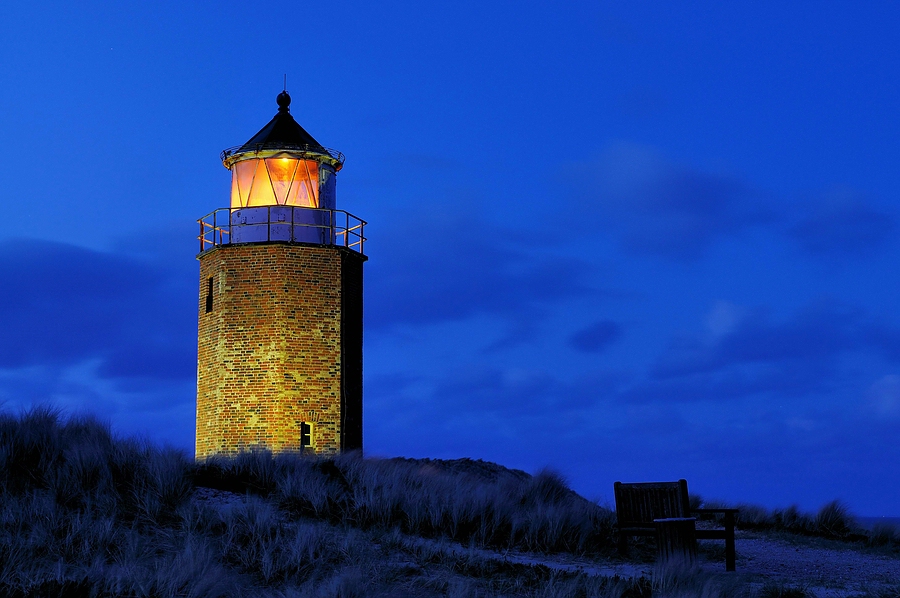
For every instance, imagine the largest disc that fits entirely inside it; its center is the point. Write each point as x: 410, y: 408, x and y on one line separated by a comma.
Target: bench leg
x: 623, y: 544
x: 729, y: 541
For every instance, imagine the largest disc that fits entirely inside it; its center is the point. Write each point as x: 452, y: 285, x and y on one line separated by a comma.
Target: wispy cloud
x: 748, y: 353
x: 655, y: 206
x: 596, y: 337
x: 66, y: 305
x: 815, y: 335
x: 818, y: 333
x: 842, y: 222
x: 444, y: 269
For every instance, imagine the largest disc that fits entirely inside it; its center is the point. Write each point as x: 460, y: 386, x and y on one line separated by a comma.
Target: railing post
x: 332, y: 232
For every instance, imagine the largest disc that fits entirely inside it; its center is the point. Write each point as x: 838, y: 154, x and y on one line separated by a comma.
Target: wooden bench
x: 639, y: 505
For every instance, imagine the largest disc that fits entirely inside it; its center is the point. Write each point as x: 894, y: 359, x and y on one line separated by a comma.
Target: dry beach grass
x: 83, y: 513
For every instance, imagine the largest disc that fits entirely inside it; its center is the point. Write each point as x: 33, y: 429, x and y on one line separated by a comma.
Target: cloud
x: 440, y: 269
x: 654, y: 206
x: 842, y: 222
x: 474, y: 392
x: 67, y: 305
x: 58, y: 300
x: 818, y: 333
x: 494, y: 390
x: 596, y: 337
x: 884, y: 396
x: 744, y: 352
x: 778, y: 381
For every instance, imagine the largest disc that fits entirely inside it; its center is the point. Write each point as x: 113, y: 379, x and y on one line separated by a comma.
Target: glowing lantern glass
x: 279, y: 180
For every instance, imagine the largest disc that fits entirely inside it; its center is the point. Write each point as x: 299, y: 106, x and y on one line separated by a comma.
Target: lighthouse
x: 279, y: 351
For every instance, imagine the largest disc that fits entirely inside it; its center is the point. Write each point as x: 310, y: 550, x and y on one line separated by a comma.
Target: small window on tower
x: 306, y: 432
x: 209, y: 295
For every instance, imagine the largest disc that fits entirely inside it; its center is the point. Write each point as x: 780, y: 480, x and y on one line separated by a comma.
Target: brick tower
x: 279, y: 362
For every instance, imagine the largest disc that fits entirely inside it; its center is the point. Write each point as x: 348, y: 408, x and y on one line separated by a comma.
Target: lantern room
x: 282, y: 190
x: 282, y: 165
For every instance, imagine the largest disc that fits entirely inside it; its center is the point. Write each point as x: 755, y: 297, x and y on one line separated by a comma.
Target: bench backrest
x: 637, y: 505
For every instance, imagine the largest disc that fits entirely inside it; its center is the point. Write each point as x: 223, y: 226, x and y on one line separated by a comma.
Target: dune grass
x: 833, y: 520
x: 534, y: 513
x: 84, y: 513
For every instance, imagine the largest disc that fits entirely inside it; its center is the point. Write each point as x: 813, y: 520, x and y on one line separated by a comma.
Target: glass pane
x: 305, y: 191
x: 300, y: 194
x: 312, y: 179
x: 296, y: 190
x: 242, y: 178
x: 281, y: 173
x: 235, y: 192
x: 261, y: 193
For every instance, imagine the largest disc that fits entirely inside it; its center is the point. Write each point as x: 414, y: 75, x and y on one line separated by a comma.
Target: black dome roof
x: 282, y: 131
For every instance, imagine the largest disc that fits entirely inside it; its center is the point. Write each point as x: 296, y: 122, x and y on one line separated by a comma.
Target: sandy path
x: 828, y: 568
x: 825, y: 569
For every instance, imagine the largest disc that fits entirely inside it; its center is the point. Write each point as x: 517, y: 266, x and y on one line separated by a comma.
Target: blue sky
x: 625, y: 241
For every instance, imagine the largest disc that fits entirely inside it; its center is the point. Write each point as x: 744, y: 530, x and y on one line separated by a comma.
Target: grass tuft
x: 883, y: 534
x: 834, y: 521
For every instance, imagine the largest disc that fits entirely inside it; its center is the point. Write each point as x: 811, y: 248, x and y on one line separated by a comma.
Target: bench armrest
x: 727, y: 534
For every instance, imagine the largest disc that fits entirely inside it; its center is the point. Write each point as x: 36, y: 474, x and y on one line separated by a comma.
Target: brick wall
x: 273, y: 350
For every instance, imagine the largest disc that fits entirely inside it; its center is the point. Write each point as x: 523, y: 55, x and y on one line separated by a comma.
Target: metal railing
x: 261, y: 147
x: 291, y: 224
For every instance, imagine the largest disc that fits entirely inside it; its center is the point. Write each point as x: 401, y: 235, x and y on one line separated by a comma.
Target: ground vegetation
x: 85, y: 513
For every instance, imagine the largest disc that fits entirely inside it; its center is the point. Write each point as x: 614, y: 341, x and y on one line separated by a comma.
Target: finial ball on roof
x: 284, y: 101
